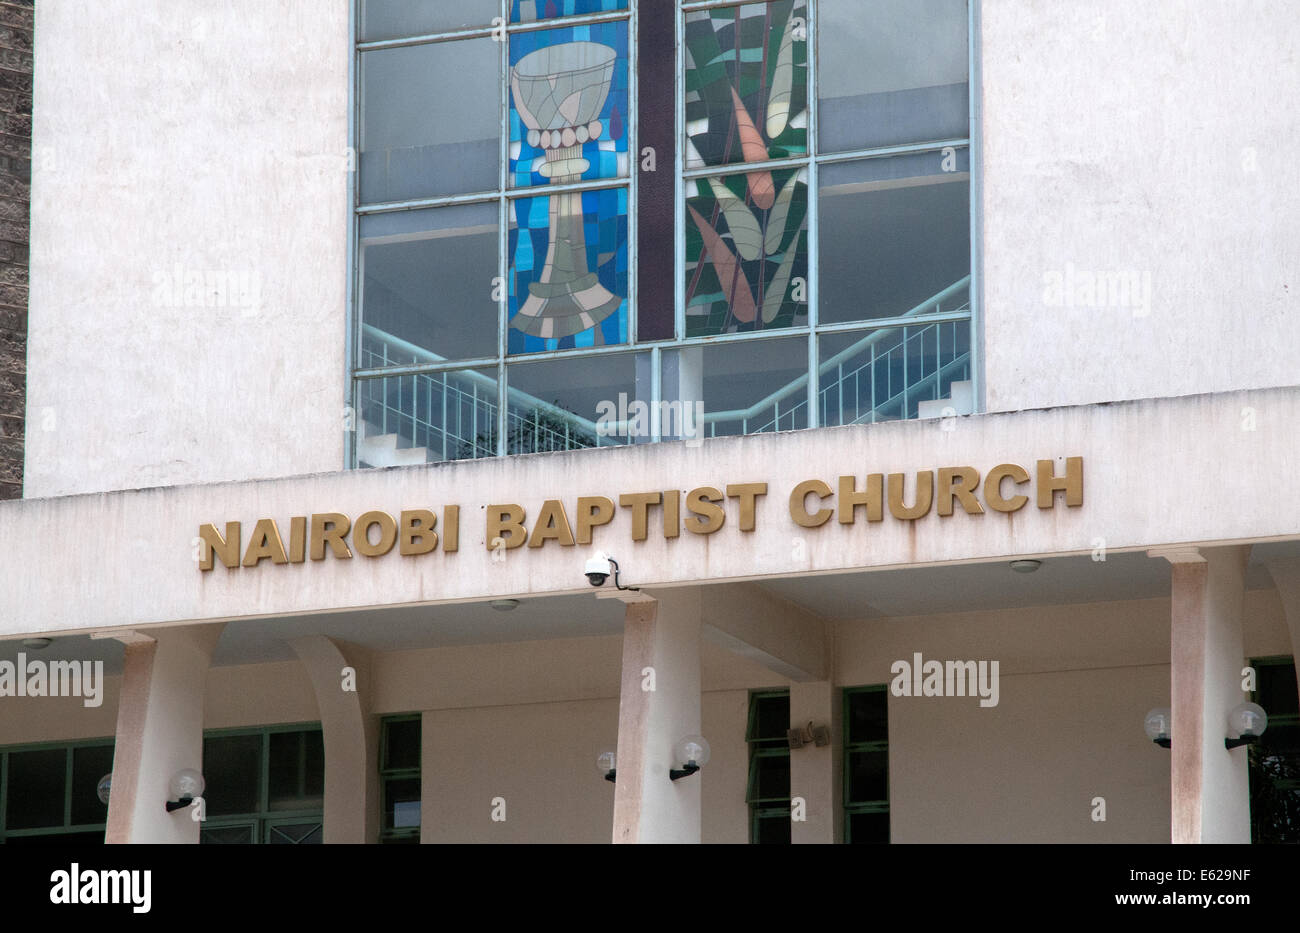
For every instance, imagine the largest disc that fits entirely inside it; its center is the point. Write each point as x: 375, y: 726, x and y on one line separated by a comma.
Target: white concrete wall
x: 540, y: 759
x: 1154, y: 139
x: 724, y: 814
x: 1075, y: 684
x: 169, y: 142
x: 174, y: 140
x: 1029, y: 769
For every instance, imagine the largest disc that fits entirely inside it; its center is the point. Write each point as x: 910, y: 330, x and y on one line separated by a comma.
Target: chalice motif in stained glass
x: 558, y: 93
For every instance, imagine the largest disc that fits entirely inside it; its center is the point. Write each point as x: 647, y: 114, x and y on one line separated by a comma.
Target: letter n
x: 226, y: 548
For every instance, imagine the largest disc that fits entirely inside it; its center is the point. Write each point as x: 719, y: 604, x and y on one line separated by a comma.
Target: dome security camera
x: 598, y: 569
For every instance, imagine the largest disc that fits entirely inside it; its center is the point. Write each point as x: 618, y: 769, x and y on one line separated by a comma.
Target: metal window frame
x: 69, y: 749
x: 261, y: 815
x: 758, y: 813
x: 1289, y: 720
x: 850, y: 806
x: 760, y: 748
x: 502, y: 195
x: 66, y: 826
x: 811, y: 162
x: 396, y: 774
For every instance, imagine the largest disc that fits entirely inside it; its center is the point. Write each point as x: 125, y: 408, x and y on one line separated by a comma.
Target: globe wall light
x: 692, y: 753
x: 186, y: 784
x: 605, y: 763
x: 1157, y: 726
x: 103, y: 788
x: 1249, y: 721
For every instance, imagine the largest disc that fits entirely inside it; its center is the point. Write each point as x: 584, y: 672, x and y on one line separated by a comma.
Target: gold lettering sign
x: 704, y: 510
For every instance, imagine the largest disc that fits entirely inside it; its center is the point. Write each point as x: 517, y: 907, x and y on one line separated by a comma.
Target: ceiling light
x: 1025, y: 566
x: 504, y: 605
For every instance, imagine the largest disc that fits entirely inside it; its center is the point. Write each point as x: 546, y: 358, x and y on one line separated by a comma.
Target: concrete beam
x: 756, y: 624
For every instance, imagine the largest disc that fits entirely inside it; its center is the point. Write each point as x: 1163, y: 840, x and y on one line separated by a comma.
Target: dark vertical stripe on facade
x: 656, y: 58
x: 16, y: 18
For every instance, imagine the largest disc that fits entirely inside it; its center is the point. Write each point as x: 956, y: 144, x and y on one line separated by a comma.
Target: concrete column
x: 816, y: 773
x: 351, y: 736
x: 1210, y: 794
x: 661, y: 649
x: 159, y: 730
x: 683, y: 381
x: 1286, y: 577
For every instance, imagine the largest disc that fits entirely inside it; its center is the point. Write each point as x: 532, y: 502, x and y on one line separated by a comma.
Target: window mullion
x: 679, y: 186
x: 503, y: 239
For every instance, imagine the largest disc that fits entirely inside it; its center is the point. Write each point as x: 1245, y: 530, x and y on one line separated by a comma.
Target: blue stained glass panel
x: 574, y: 295
x: 568, y: 104
x: 528, y: 11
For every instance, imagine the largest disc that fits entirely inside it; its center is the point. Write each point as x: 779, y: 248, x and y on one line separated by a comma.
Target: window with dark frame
x: 399, y: 777
x: 768, y: 788
x: 49, y: 792
x: 866, y: 764
x: 264, y: 785
x: 1275, y: 758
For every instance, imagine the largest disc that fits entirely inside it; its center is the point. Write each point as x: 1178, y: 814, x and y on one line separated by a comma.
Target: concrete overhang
x: 1189, y: 470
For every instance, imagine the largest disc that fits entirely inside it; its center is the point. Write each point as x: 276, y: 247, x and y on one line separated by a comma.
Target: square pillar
x: 659, y: 703
x: 1209, y: 784
x: 159, y: 730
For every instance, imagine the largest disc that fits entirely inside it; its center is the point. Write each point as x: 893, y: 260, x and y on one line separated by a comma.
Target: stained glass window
x: 568, y: 104
x: 524, y: 11
x: 747, y: 252
x: 747, y: 85
x: 568, y: 251
x: 758, y: 212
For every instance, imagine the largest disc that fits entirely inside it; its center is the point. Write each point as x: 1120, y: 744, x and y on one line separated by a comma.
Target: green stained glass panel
x: 746, y: 252
x: 746, y: 83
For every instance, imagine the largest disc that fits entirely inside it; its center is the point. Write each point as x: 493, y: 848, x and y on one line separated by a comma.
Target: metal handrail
x: 526, y: 400
x: 529, y: 401
x: 854, y: 349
